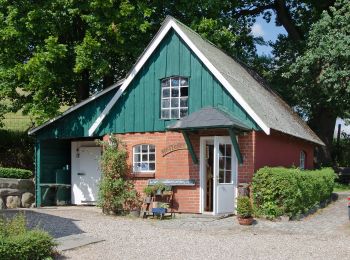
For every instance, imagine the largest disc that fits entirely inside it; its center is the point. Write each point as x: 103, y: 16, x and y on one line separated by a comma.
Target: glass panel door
x: 225, y: 169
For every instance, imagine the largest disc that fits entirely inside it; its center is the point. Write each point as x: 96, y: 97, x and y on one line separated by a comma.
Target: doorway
x: 218, y: 173
x: 86, y: 172
x: 209, y: 176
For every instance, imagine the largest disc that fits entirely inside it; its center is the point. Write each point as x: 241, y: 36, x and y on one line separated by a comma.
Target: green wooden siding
x: 77, y: 123
x: 138, y: 109
x: 50, y: 156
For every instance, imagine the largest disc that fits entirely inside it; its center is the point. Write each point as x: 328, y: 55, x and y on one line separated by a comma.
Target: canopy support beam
x: 236, y: 146
x: 190, y: 147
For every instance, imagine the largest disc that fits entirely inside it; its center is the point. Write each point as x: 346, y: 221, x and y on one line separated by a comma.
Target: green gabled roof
x: 208, y: 117
x: 267, y: 105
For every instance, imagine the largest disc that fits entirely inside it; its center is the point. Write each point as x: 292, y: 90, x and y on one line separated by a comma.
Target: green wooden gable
x: 138, y: 109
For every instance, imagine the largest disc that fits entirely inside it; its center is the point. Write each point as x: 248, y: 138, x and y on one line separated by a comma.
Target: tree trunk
x: 83, y: 87
x: 323, y: 123
x: 285, y: 18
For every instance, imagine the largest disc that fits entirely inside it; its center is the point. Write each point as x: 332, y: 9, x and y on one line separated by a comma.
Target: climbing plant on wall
x: 116, y: 191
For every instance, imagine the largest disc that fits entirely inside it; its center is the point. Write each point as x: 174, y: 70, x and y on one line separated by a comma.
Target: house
x: 189, y: 115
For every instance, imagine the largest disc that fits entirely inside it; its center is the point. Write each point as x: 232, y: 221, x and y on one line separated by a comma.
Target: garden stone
x: 13, y: 202
x: 27, y: 199
x: 19, y: 184
x: 9, y: 192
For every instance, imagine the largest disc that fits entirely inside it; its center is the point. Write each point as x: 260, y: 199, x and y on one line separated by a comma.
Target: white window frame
x: 141, y: 160
x: 302, y: 160
x: 170, y: 98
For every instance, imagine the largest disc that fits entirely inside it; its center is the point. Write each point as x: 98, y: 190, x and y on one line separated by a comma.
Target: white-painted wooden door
x: 86, y: 179
x: 225, y: 171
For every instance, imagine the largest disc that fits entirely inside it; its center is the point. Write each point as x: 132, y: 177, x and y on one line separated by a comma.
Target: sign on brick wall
x: 173, y: 148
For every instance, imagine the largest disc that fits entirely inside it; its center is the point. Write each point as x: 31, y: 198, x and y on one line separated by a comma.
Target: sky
x: 269, y: 31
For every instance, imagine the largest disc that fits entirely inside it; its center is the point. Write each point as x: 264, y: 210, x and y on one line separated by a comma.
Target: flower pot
x: 245, y: 221
x: 148, y: 200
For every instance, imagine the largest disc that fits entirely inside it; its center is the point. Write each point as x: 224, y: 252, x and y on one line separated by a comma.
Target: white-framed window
x: 144, y: 158
x: 174, y: 103
x: 302, y: 160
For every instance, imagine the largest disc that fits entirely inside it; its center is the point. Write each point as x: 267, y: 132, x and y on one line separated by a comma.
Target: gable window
x: 174, y: 103
x: 144, y: 158
x: 302, y: 160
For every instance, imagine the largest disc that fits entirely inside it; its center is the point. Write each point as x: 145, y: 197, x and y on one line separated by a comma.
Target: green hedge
x: 15, y: 173
x: 281, y: 191
x: 17, y: 242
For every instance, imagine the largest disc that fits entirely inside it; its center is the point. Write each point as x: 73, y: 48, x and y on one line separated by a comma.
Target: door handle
x: 80, y: 173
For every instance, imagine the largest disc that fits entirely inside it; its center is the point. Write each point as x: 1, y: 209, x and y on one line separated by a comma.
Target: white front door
x: 85, y: 179
x: 224, y: 174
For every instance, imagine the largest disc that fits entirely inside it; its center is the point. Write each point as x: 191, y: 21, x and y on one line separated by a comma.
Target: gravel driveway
x: 324, y: 235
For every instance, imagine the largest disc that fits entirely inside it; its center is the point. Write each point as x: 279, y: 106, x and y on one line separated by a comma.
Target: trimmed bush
x: 244, y: 207
x: 16, y: 242
x: 15, y: 173
x: 283, y: 191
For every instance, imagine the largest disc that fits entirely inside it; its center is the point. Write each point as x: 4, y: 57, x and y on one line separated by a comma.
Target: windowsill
x: 143, y: 174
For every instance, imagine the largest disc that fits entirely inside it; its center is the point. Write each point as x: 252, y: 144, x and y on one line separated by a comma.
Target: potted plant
x: 244, y: 210
x: 148, y: 190
x: 159, y: 188
x: 167, y: 190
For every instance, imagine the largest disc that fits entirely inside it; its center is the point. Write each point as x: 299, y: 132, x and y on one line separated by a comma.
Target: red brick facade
x: 179, y: 165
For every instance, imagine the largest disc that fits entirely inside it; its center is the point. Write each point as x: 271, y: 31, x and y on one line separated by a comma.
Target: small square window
x: 166, y: 113
x: 184, y: 92
x: 174, y: 92
x: 174, y: 102
x: 166, y: 92
x: 183, y: 112
x: 174, y: 113
x: 166, y: 103
x: 175, y: 82
x: 145, y: 160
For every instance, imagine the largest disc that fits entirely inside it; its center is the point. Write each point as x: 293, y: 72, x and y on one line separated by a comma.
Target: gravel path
x: 324, y: 235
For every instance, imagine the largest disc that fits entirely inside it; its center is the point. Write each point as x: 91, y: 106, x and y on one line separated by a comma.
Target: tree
x: 56, y: 53
x: 317, y: 103
x: 321, y: 75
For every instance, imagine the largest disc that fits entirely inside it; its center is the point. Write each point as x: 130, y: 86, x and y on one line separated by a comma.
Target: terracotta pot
x: 245, y: 221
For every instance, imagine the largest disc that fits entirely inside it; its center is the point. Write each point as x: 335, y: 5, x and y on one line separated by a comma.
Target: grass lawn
x: 341, y: 187
x: 16, y: 121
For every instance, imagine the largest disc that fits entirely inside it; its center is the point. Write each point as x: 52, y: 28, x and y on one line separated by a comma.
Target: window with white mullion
x: 144, y: 158
x: 174, y: 98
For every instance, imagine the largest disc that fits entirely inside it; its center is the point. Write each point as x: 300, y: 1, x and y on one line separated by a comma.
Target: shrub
x: 15, y: 173
x: 17, y: 242
x: 244, y: 207
x: 279, y: 191
x: 116, y: 192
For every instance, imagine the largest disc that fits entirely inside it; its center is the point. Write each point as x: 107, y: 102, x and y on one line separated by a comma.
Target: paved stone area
x: 324, y: 235
x: 75, y: 241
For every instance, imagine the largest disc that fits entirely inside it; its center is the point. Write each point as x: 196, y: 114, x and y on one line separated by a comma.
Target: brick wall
x: 278, y: 149
x: 247, y: 146
x: 179, y: 165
